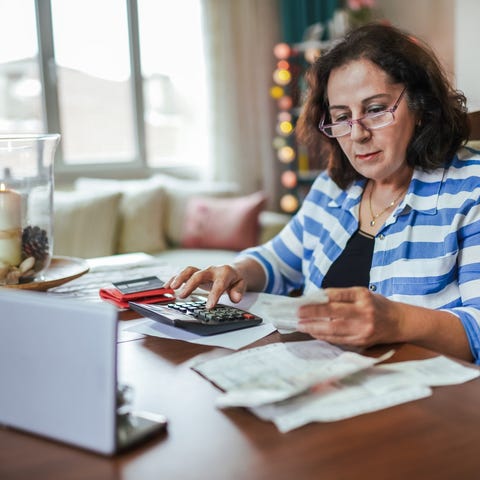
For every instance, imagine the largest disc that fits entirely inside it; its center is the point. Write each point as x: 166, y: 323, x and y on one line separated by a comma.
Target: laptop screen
x: 58, y: 373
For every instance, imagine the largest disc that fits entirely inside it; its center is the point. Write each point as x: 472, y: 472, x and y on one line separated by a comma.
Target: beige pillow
x: 85, y: 224
x: 142, y: 212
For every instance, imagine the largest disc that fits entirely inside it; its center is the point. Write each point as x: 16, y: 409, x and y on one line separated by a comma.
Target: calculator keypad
x: 194, y: 316
x: 216, y: 315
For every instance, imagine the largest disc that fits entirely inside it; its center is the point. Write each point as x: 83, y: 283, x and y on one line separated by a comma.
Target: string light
x: 279, y: 142
x: 286, y: 154
x: 284, y: 117
x: 285, y: 77
x: 276, y: 92
x: 282, y: 51
x: 285, y: 128
x: 282, y: 76
x: 285, y: 102
x: 289, y: 179
x: 289, y: 203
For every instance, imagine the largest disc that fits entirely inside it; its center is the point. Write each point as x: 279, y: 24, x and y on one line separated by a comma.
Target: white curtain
x: 239, y: 40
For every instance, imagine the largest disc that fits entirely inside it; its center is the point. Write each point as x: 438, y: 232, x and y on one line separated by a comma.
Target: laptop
x: 58, y: 373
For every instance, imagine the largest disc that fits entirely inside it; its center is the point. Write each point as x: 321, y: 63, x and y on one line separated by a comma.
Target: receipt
x: 275, y: 372
x: 368, y: 390
x: 349, y: 397
x: 283, y: 311
x: 434, y: 372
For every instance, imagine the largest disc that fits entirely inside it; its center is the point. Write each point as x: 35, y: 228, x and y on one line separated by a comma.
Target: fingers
x: 342, y: 303
x: 348, y: 295
x: 219, y: 287
x: 178, y: 280
x: 217, y: 279
x: 351, y: 313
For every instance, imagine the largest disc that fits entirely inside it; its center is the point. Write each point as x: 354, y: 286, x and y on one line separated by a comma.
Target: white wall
x: 450, y: 27
x: 467, y: 50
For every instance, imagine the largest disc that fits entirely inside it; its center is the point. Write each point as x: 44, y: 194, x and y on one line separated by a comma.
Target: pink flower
x: 354, y: 4
x: 358, y: 4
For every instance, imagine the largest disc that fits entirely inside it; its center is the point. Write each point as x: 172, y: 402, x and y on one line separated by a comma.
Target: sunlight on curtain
x: 239, y: 40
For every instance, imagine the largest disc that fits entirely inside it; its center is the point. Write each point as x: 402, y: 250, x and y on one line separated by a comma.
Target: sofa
x: 182, y: 222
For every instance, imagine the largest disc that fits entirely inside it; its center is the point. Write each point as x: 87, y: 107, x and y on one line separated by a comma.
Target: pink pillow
x: 223, y: 223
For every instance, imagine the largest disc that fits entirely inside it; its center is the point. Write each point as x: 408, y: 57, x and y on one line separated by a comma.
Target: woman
x: 391, y: 229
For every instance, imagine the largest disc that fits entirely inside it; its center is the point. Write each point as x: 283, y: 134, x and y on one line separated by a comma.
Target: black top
x: 352, y: 267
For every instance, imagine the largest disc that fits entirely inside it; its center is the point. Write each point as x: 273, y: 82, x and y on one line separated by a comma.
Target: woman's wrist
x: 251, y: 273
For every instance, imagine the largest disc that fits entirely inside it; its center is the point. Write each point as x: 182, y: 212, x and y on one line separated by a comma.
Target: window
x: 121, y: 80
x: 20, y: 86
x: 94, y: 81
x: 172, y: 59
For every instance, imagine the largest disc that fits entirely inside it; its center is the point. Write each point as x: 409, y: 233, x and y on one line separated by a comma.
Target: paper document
x: 233, y: 340
x: 279, y: 310
x: 278, y: 371
x: 361, y: 393
x: 434, y: 372
x: 283, y: 311
x: 373, y: 389
x: 295, y: 383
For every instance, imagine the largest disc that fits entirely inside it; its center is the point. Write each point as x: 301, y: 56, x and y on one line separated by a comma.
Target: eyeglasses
x: 370, y: 121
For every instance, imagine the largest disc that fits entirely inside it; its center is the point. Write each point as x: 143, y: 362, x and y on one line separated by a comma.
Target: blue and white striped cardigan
x: 427, y: 253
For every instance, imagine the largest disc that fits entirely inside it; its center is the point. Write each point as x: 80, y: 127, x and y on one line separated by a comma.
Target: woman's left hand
x: 352, y: 317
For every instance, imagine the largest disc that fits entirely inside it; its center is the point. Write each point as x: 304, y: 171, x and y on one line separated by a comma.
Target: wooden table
x: 433, y: 438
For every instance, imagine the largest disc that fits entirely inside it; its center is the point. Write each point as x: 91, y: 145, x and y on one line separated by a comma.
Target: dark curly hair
x: 443, y: 122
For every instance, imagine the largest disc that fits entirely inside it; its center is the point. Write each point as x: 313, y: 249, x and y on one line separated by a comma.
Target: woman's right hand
x: 216, y: 279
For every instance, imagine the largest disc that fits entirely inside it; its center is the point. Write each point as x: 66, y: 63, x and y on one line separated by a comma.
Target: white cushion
x: 85, y: 223
x: 142, y: 212
x: 169, y: 212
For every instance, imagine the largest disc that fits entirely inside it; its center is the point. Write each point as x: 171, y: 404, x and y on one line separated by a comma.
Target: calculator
x: 196, y: 318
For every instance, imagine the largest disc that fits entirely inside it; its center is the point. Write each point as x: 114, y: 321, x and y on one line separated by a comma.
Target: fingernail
x: 181, y: 293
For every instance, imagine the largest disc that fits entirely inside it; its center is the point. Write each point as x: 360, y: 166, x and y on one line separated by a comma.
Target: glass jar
x: 26, y: 206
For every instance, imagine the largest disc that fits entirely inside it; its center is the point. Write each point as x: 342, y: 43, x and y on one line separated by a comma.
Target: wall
x: 430, y: 20
x: 467, y: 56
x: 449, y: 27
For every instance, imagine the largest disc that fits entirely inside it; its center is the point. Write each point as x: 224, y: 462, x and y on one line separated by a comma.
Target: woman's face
x: 356, y: 89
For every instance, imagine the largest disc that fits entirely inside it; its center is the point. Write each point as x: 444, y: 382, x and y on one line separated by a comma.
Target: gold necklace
x: 388, y: 207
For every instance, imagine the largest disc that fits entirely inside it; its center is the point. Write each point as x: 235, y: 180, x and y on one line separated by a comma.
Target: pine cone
x: 35, y: 244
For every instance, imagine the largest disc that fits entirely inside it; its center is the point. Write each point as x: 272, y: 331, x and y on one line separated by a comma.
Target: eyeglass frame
x: 351, y: 123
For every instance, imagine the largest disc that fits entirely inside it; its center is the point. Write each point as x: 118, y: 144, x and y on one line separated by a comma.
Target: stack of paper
x: 296, y: 383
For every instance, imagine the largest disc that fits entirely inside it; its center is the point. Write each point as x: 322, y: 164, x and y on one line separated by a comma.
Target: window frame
x: 135, y: 167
